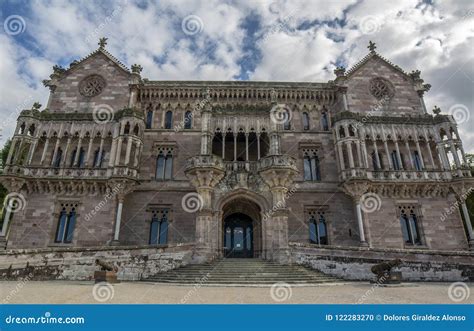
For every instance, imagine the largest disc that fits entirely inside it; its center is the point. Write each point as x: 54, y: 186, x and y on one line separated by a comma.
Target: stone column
x: 31, y: 152
x: 377, y: 156
x: 246, y: 147
x: 235, y: 147
x: 399, y: 156
x: 349, y: 153
x: 101, y: 149
x: 467, y: 219
x: 359, y: 154
x: 118, y: 219
x: 6, y: 220
x: 339, y: 147
x: 55, y: 153
x: 364, y: 155
x: 356, y: 190
x: 223, y: 146
x: 430, y: 153
x: 387, y: 152
x: 45, y: 150
x: 128, y: 151
x: 407, y: 145
x: 66, y: 150
x: 78, y: 152
x: 258, y: 146
x: 419, y: 154
x: 360, y: 223
x: 89, y: 149
x: 118, y: 152
x: 10, y: 152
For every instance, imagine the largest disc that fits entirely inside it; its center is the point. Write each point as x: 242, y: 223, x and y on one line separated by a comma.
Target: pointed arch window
x: 149, y: 119
x: 66, y: 223
x: 409, y: 221
x: 417, y: 161
x: 168, y: 119
x: 318, y: 233
x: 325, y: 122
x: 305, y: 121
x: 164, y: 164
x: 311, y: 166
x: 159, y: 227
x: 188, y: 120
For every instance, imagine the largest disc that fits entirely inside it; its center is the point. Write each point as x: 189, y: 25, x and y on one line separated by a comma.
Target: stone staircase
x: 241, y: 272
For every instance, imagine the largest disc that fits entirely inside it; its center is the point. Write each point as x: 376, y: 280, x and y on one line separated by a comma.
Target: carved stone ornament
x: 381, y: 88
x: 92, y: 85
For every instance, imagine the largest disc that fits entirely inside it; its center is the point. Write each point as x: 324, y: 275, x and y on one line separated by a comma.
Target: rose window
x: 92, y: 85
x: 381, y: 88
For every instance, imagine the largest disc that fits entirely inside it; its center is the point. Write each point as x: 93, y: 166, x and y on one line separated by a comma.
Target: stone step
x: 241, y: 271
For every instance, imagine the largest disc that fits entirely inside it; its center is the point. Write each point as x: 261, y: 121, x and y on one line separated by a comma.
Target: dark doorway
x: 238, y: 236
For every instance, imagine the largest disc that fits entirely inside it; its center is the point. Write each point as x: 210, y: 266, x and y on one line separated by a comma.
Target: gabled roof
x: 374, y: 54
x: 104, y: 52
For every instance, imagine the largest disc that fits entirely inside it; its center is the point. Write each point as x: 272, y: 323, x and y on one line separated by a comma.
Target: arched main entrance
x: 238, y: 236
x: 241, y: 228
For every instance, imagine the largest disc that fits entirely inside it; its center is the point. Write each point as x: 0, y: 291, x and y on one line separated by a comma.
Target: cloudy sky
x: 240, y: 40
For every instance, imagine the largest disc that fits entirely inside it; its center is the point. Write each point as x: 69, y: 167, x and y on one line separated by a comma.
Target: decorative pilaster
x: 278, y: 172
x: 356, y: 189
x: 205, y: 172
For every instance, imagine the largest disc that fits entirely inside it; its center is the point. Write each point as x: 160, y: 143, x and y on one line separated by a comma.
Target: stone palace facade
x: 236, y: 168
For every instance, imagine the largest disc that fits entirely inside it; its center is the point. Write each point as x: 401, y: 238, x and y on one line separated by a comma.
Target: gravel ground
x: 138, y: 292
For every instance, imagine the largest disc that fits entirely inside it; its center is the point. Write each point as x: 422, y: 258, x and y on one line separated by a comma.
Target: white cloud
x: 296, y: 41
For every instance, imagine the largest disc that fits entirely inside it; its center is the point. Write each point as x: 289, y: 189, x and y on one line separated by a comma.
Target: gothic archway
x: 241, y: 230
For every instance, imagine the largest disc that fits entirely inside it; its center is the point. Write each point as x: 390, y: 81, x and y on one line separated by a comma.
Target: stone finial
x: 102, y: 42
x: 136, y: 68
x: 73, y: 63
x: 58, y: 69
x: 36, y: 106
x: 340, y: 71
x: 415, y: 74
x: 436, y: 110
x: 371, y: 46
x: 427, y: 87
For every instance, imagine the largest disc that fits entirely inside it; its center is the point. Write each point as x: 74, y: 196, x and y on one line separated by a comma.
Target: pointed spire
x: 102, y: 42
x: 372, y: 46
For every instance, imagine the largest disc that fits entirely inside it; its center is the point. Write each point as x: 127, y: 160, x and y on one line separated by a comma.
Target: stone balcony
x: 70, y: 172
x: 402, y: 175
x: 277, y: 162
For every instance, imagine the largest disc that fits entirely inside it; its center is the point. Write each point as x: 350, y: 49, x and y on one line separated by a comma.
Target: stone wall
x: 134, y: 262
x: 354, y: 263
